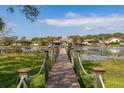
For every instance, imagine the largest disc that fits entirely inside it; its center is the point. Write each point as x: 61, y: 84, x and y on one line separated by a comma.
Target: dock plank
x: 62, y: 74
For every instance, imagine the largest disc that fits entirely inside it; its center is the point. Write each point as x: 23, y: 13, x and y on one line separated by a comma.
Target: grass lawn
x: 114, y: 76
x: 9, y: 65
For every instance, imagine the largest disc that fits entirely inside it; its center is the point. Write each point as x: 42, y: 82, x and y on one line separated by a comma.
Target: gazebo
x: 56, y: 43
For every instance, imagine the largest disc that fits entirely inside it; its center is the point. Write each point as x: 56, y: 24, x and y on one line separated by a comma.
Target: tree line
x: 103, y: 37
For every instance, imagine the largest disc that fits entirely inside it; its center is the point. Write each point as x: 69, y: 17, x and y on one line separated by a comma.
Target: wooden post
x: 77, y: 68
x: 69, y: 52
x: 75, y: 59
x: 72, y: 57
x: 98, y: 71
x: 53, y: 49
x: 46, y: 66
x: 51, y: 56
x: 24, y: 73
x: 55, y: 52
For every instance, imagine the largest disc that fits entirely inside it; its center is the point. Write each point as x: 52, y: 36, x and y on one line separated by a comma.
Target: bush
x: 14, y: 49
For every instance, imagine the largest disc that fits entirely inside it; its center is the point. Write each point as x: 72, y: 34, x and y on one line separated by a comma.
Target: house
x: 56, y: 43
x: 122, y: 43
x: 22, y: 42
x: 113, y: 40
x: 35, y: 44
x: 89, y: 41
x: 66, y: 39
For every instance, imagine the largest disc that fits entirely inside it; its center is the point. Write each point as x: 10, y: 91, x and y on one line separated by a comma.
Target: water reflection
x: 102, y: 53
x: 32, y: 49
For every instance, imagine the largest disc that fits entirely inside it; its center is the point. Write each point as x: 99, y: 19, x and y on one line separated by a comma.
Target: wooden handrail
x: 23, y: 73
x: 99, y: 71
x: 98, y: 77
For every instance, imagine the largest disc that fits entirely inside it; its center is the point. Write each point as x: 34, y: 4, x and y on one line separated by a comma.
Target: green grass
x: 38, y: 82
x: 114, y: 76
x: 88, y: 81
x: 9, y: 66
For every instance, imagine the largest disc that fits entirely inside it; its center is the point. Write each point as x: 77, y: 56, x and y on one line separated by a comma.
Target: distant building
x: 89, y: 41
x: 22, y: 42
x: 56, y: 43
x: 122, y: 43
x: 113, y: 40
x: 35, y: 44
x: 66, y: 39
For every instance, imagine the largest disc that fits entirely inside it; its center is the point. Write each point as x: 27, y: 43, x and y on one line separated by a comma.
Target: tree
x: 24, y: 41
x: 2, y: 24
x: 23, y: 38
x: 29, y: 11
x: 3, y: 32
x: 9, y: 40
x: 76, y: 38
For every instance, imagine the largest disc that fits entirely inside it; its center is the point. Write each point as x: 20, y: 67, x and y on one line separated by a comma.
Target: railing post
x: 55, y: 53
x: 98, y: 71
x: 46, y: 66
x: 53, y: 50
x: 68, y: 52
x: 77, y: 65
x: 71, y: 55
x: 24, y: 73
x: 50, y: 53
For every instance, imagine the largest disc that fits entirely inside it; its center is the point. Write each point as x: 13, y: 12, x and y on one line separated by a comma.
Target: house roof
x: 89, y: 40
x: 57, y: 41
x: 66, y: 39
x: 114, y: 38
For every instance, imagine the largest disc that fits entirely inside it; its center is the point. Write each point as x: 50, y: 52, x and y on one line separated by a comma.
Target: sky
x: 60, y: 20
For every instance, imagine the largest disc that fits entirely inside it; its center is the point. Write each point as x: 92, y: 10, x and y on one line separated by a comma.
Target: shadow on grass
x: 10, y: 66
x: 87, y: 81
x: 82, y: 84
x: 89, y: 65
x: 8, y: 80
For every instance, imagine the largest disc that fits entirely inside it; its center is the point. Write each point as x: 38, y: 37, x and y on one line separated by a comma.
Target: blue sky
x: 67, y: 20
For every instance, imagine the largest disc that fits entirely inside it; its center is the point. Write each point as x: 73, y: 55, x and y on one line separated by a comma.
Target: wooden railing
x: 24, y: 77
x: 97, y: 76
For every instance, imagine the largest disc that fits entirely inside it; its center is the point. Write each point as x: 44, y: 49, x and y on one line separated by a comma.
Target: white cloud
x: 11, y: 24
x: 71, y: 15
x: 88, y: 28
x: 108, y: 20
x: 98, y: 23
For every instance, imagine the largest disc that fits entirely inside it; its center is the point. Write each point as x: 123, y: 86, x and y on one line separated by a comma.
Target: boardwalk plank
x: 62, y: 74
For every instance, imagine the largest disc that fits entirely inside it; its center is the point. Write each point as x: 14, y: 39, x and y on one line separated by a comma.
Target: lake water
x: 101, y: 53
x: 33, y: 49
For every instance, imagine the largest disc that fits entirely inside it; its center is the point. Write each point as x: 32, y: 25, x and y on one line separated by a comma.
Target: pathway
x: 62, y: 74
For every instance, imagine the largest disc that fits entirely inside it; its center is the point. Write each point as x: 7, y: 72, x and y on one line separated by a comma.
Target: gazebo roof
x: 57, y: 41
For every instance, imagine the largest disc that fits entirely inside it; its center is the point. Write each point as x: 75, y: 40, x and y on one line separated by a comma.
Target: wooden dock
x: 62, y: 74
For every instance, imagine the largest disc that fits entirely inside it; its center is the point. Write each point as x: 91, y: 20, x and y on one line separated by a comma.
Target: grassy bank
x: 9, y: 65
x: 114, y: 76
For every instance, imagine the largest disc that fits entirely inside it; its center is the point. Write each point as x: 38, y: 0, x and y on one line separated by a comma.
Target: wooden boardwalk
x: 62, y: 74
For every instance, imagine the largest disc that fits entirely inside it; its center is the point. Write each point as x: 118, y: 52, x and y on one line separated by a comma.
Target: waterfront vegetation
x: 113, y: 76
x: 10, y: 64
x: 15, y: 54
x: 13, y: 60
